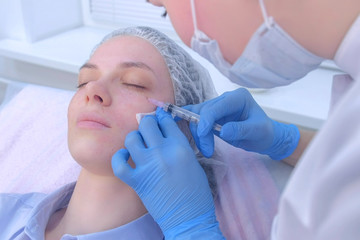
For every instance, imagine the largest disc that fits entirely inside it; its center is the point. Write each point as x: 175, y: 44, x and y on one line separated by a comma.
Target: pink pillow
x: 34, y: 155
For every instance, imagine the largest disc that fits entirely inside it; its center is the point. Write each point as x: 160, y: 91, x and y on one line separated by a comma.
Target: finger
x: 210, y: 112
x: 193, y: 130
x: 120, y: 166
x: 150, y: 132
x: 244, y: 130
x: 134, y: 143
x: 195, y: 108
x: 205, y: 124
x: 168, y: 126
x: 206, y: 144
x: 177, y: 119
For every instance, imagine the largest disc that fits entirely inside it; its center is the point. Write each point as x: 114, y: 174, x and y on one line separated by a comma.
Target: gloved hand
x: 168, y: 179
x: 245, y: 125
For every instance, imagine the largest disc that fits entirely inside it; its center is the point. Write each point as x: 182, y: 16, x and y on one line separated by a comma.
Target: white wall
x: 33, y: 20
x: 11, y: 20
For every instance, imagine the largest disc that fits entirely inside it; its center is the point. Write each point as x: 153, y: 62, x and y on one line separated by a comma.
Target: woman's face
x: 113, y: 86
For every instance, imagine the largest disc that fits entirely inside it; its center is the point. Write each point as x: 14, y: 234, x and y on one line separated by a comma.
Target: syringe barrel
x: 187, y: 115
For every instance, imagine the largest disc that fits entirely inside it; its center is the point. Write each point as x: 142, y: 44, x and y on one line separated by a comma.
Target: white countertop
x: 305, y: 102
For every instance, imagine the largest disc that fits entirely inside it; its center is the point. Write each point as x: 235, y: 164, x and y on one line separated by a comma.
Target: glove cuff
x: 286, y: 139
x: 202, y: 227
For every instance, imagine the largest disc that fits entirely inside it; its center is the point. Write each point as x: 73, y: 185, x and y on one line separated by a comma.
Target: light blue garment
x: 271, y: 58
x: 25, y: 216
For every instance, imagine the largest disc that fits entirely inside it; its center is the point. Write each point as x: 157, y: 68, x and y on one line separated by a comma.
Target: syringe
x: 181, y: 112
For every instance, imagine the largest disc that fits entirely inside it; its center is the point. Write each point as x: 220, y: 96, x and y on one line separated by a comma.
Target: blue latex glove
x: 245, y: 125
x: 168, y: 179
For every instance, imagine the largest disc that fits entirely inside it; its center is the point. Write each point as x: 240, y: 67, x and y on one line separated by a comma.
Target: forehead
x: 128, y: 49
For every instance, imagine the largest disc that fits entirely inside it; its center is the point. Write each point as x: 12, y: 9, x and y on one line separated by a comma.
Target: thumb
x: 206, y: 144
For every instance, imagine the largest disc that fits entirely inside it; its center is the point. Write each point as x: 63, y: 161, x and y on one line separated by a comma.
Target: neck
x: 319, y: 26
x: 98, y: 203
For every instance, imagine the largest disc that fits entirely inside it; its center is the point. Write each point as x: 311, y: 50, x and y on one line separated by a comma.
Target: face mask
x: 271, y: 58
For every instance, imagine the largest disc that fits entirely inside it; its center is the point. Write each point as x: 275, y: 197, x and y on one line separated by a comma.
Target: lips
x: 92, y: 121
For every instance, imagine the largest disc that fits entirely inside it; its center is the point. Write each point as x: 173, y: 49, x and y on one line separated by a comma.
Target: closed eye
x: 82, y: 84
x: 126, y: 84
x: 134, y: 85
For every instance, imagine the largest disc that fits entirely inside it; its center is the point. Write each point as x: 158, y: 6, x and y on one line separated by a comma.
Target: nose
x: 97, y: 92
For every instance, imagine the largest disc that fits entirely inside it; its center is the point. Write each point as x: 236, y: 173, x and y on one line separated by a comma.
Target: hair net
x: 191, y: 81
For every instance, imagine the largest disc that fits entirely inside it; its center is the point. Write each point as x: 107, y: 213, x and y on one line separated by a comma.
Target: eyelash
x: 134, y: 85
x: 82, y: 84
x: 127, y: 84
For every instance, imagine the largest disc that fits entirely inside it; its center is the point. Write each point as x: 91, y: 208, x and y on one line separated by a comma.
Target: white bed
x: 33, y: 146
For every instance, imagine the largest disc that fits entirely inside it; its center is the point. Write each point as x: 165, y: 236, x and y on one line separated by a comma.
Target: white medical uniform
x: 322, y: 198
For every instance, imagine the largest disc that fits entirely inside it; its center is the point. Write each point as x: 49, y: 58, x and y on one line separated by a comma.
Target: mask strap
x: 268, y: 20
x: 193, y: 12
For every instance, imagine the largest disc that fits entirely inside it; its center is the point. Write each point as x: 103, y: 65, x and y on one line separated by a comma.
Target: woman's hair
x: 192, y: 83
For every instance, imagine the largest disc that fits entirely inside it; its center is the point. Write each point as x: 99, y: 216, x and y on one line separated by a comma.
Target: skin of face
x: 113, y: 86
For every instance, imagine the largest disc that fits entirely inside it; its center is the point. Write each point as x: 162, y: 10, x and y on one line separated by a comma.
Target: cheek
x: 72, y: 109
x: 128, y: 107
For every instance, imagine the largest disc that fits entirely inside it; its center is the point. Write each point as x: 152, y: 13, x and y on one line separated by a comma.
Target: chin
x: 94, y: 158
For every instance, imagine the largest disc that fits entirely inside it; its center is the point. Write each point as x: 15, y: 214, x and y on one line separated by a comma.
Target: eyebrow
x: 88, y: 65
x: 123, y: 65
